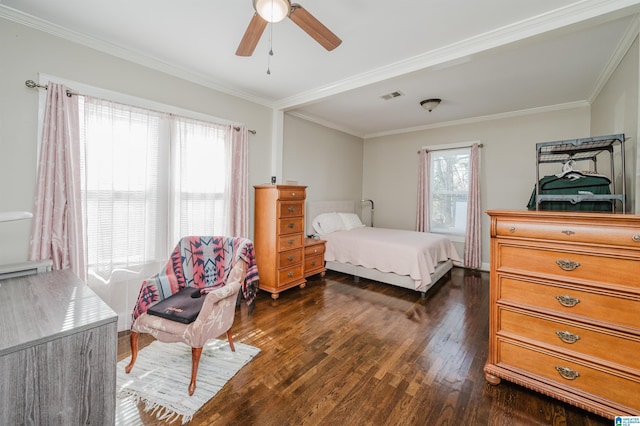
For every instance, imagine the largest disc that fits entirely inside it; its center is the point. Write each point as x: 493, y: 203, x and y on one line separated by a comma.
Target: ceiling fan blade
x: 251, y: 36
x: 313, y: 27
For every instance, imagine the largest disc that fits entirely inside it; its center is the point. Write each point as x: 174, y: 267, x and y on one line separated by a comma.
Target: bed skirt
x: 403, y: 281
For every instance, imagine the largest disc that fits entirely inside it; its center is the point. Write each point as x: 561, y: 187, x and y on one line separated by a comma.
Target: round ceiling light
x: 430, y: 104
x: 272, y: 10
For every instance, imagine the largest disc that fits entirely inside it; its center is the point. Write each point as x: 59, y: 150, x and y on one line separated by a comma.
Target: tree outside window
x: 449, y: 190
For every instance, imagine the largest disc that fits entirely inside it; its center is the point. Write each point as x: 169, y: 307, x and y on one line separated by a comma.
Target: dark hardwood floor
x: 365, y: 353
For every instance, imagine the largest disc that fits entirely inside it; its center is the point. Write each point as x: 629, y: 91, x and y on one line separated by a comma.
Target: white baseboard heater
x: 24, y: 268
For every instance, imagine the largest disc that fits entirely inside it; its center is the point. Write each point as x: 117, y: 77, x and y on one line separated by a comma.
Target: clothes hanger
x: 568, y: 172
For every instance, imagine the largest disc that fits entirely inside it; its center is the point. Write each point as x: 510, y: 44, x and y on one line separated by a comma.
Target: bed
x: 408, y: 259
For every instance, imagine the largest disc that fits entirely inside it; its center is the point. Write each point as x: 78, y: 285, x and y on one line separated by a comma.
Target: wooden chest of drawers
x: 279, y: 236
x: 565, y: 307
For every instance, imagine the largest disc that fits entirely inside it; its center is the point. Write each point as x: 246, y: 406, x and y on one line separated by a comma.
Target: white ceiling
x: 482, y: 58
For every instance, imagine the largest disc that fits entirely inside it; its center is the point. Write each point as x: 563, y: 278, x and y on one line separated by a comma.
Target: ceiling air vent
x: 391, y: 95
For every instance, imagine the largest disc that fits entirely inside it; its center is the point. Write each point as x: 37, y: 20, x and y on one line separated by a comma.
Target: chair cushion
x: 181, y: 306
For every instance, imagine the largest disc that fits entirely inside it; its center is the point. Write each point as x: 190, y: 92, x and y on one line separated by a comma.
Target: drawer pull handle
x: 567, y: 265
x: 636, y: 238
x: 291, y: 209
x: 293, y: 194
x: 291, y: 225
x: 567, y: 336
x: 291, y: 242
x: 512, y: 229
x: 290, y: 258
x: 567, y: 232
x: 313, y: 263
x: 290, y: 274
x: 567, y: 301
x: 567, y: 373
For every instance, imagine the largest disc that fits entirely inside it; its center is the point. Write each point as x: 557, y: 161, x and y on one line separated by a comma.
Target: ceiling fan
x: 275, y: 11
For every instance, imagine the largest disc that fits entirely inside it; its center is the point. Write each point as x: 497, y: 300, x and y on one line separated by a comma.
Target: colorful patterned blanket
x: 203, y: 262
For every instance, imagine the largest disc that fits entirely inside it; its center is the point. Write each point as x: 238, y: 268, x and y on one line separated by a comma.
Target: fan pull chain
x: 270, y: 49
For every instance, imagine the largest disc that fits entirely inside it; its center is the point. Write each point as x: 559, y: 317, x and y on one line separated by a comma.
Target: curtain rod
x: 446, y: 149
x: 32, y: 84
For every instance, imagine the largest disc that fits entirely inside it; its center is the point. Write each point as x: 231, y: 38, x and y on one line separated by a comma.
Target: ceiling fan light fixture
x: 430, y: 104
x: 272, y: 10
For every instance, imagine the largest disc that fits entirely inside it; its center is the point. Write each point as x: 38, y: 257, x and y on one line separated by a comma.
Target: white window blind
x: 199, y: 173
x: 121, y: 184
x: 148, y: 179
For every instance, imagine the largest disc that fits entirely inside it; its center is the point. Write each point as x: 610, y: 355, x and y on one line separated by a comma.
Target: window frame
x: 434, y: 149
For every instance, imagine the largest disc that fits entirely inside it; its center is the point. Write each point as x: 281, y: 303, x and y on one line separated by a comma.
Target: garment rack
x: 583, y: 149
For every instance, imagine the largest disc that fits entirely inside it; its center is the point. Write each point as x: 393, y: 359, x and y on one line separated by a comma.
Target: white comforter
x: 411, y: 253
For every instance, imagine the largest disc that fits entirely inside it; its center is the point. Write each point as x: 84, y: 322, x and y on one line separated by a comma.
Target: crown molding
x: 491, y: 117
x: 617, y: 56
x: 569, y: 15
x: 471, y: 120
x: 125, y: 53
x: 327, y: 124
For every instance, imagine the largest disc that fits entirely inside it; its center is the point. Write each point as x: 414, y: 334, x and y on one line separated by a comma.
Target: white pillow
x: 351, y: 221
x: 327, y: 223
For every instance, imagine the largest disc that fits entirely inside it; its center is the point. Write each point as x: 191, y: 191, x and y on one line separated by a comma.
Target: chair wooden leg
x: 195, y: 361
x: 134, y: 351
x: 233, y: 348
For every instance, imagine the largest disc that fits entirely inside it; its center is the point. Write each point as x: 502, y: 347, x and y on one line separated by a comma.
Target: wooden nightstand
x: 314, y: 257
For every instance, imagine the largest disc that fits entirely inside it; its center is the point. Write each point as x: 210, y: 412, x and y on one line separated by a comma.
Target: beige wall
x: 615, y: 110
x: 25, y: 52
x: 507, y: 163
x: 328, y: 161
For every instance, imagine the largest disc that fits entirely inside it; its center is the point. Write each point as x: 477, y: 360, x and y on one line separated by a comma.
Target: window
x: 449, y: 190
x: 199, y: 178
x: 149, y: 178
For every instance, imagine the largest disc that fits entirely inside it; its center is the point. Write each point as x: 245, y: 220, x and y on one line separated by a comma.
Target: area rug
x: 162, y: 373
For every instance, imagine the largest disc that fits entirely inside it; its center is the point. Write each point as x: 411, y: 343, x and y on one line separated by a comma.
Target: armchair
x: 220, y: 267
